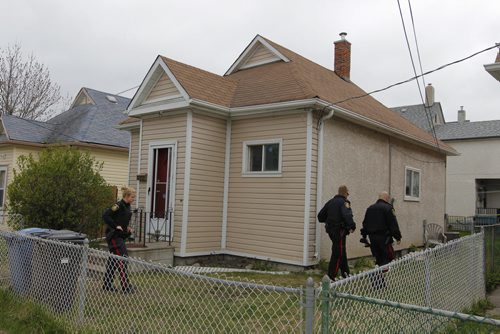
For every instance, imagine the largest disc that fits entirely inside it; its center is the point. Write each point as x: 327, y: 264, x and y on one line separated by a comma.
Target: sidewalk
x: 494, y: 298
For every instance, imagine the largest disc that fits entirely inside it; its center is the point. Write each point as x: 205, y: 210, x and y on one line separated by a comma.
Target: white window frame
x: 245, y: 170
x: 413, y: 198
x: 5, y: 169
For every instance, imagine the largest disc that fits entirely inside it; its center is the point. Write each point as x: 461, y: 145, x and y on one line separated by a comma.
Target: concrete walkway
x: 494, y: 298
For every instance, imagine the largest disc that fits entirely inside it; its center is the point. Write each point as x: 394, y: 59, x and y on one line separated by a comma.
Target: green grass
x: 19, y: 316
x: 479, y: 309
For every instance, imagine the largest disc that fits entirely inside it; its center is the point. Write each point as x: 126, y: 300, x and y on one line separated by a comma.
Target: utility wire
x: 425, y: 103
x: 127, y: 90
x: 411, y: 79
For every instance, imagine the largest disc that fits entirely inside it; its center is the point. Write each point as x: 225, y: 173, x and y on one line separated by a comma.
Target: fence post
x: 83, y: 281
x: 325, y: 305
x: 309, y: 306
x: 492, y: 229
x: 428, y: 293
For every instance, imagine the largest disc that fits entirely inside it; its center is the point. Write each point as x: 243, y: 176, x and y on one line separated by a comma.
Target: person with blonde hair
x: 337, y: 216
x: 117, y: 219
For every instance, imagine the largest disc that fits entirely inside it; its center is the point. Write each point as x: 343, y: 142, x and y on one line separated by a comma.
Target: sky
x: 109, y: 45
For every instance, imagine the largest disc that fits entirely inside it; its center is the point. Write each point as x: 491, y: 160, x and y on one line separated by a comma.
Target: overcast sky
x: 110, y: 45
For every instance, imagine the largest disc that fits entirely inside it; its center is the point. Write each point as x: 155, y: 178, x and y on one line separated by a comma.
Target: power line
x: 427, y: 113
x: 426, y: 105
x: 127, y: 90
x: 410, y: 79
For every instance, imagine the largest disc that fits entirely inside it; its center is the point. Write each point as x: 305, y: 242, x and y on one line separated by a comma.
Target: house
x: 239, y: 164
x: 494, y: 69
x: 473, y: 177
x: 89, y: 124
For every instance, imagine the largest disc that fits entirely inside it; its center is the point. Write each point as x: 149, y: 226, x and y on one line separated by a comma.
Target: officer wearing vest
x: 337, y: 216
x: 117, y: 220
x: 381, y: 226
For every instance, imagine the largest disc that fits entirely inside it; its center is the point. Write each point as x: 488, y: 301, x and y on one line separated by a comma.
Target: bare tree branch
x: 26, y: 89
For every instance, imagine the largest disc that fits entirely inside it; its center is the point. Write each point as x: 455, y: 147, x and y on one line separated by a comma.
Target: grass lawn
x: 18, y: 316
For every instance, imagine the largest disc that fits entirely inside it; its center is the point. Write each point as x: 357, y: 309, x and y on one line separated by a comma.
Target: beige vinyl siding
x: 7, y: 160
x: 165, y: 128
x: 115, y: 165
x: 259, y: 56
x: 134, y: 157
x: 164, y: 88
x: 266, y: 214
x: 206, y: 189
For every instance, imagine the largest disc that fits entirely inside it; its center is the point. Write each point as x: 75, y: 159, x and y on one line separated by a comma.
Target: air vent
x: 111, y: 99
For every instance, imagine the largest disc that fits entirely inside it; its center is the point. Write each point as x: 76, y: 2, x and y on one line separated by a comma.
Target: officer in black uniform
x: 337, y: 215
x: 381, y: 226
x: 117, y: 219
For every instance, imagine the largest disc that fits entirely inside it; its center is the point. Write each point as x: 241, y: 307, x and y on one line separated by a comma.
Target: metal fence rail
x: 416, y: 293
x: 68, y: 281
x: 448, y: 277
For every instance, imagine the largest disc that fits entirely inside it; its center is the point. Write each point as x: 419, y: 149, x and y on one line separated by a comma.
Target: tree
x: 62, y: 189
x: 26, y: 89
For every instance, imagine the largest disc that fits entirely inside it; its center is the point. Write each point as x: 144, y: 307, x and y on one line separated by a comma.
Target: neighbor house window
x: 412, y: 184
x: 262, y: 157
x: 3, y: 184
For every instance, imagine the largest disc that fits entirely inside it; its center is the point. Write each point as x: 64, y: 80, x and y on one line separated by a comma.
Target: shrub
x: 62, y: 189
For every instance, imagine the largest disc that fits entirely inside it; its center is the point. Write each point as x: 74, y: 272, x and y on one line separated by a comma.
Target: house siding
x: 164, y: 88
x: 206, y: 184
x: 165, y: 128
x: 115, y: 165
x: 369, y: 162
x: 266, y: 214
x: 478, y: 159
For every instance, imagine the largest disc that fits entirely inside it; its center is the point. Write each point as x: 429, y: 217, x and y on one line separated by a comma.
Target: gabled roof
x: 449, y: 130
x: 417, y: 115
x: 88, y: 123
x: 295, y: 79
x: 469, y: 130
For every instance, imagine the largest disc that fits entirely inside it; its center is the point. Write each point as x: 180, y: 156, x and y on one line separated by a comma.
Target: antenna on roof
x: 111, y: 99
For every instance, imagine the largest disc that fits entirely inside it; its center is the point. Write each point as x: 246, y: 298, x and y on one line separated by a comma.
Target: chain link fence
x: 421, y: 292
x: 448, y: 277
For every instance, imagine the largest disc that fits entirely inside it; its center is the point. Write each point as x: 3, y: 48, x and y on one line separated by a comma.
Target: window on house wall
x: 3, y: 185
x: 262, y: 157
x: 412, y: 184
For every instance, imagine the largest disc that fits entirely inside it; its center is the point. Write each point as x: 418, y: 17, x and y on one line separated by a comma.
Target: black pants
x: 338, y: 259
x: 381, y: 249
x: 116, y: 246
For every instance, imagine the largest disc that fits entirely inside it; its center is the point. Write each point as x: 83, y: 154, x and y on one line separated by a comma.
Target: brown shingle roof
x: 288, y: 81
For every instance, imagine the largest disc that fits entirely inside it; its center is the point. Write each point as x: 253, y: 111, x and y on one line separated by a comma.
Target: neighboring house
x: 494, y: 69
x: 473, y: 177
x: 240, y: 164
x: 89, y: 124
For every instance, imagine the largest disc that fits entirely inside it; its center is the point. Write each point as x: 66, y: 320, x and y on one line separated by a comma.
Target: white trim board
x: 307, y: 190
x: 227, y: 163
x: 187, y: 179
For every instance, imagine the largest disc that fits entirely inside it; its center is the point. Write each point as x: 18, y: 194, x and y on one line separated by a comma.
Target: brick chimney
x: 498, y: 56
x: 342, y: 60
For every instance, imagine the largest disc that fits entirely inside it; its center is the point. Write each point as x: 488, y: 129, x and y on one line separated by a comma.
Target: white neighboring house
x: 473, y: 177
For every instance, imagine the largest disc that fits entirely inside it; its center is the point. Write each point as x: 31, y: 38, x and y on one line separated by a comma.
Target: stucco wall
x: 478, y: 159
x: 370, y: 162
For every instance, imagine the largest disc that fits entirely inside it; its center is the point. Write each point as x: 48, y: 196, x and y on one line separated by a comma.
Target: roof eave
x: 494, y: 70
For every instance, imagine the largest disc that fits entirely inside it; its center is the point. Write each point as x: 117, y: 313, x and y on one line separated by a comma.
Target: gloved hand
x: 363, y: 240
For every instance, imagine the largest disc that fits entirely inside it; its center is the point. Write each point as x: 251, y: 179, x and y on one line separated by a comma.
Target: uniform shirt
x: 117, y: 215
x: 337, y: 212
x: 380, y: 219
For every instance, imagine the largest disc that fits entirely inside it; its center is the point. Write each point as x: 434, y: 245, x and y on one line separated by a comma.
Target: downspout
x: 319, y: 182
x: 138, y: 203
x: 390, y: 167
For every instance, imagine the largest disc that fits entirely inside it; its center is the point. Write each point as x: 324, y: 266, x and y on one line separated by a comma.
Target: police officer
x: 337, y: 215
x: 381, y: 225
x: 117, y: 220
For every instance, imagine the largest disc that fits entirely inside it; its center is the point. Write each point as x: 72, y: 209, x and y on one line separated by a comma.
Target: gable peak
x: 258, y: 52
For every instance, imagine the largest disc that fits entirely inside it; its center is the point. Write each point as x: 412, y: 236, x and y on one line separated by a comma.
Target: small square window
x: 262, y: 158
x: 412, y: 184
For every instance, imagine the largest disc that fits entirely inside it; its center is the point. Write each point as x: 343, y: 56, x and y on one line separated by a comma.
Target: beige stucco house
x: 89, y: 125
x: 239, y: 164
